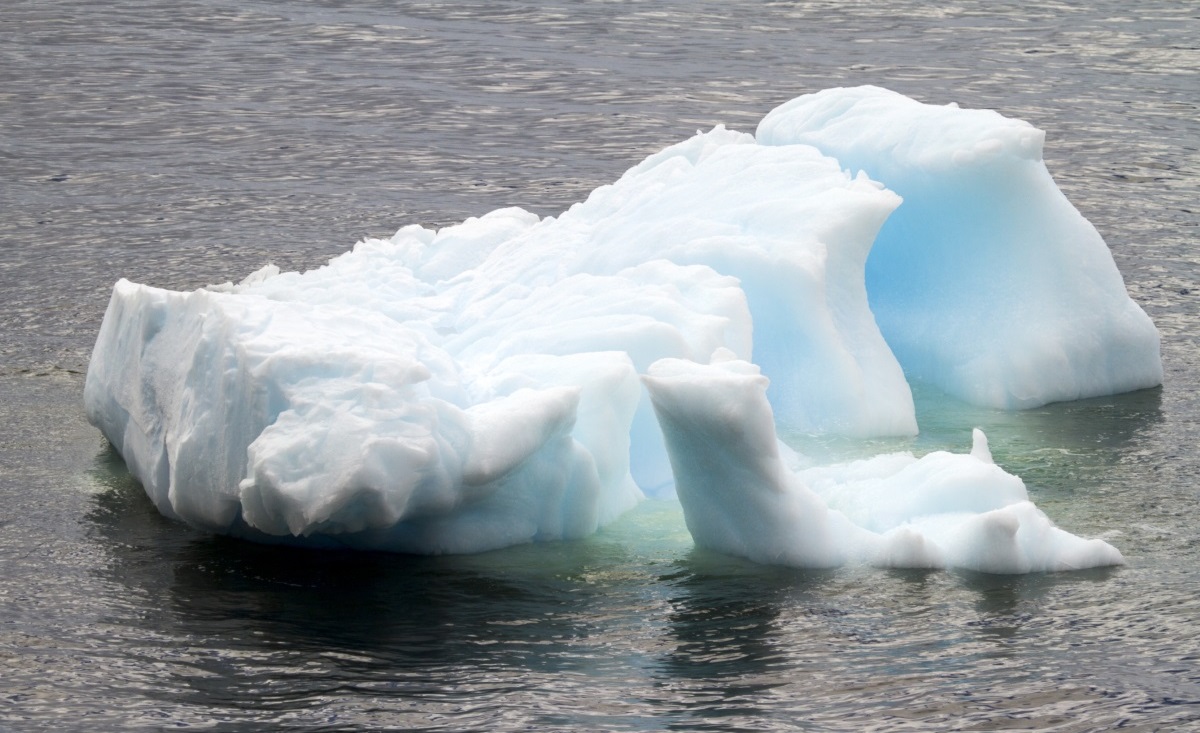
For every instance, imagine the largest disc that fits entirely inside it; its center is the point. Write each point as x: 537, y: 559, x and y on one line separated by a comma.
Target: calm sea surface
x: 189, y: 142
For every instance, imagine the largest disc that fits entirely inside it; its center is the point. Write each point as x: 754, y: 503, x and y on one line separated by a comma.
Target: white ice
x: 482, y: 386
x: 942, y: 510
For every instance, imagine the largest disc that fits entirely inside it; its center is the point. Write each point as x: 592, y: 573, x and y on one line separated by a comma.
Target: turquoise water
x: 187, y: 143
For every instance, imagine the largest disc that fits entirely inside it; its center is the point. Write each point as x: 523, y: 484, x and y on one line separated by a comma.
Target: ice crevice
x: 514, y: 379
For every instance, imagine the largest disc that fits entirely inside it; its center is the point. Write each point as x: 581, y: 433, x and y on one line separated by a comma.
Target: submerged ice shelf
x: 511, y: 379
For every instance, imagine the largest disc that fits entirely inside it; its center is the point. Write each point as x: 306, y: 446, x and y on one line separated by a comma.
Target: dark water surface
x: 191, y: 142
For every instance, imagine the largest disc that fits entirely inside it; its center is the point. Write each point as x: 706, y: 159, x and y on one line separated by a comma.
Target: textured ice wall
x: 475, y: 387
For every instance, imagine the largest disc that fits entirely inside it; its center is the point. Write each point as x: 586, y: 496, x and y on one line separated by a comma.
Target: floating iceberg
x: 511, y: 379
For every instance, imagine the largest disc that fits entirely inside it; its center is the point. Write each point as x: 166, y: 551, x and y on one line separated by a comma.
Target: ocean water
x: 190, y: 142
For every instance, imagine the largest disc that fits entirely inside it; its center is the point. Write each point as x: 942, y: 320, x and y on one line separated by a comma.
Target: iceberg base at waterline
x: 741, y: 497
x: 514, y: 379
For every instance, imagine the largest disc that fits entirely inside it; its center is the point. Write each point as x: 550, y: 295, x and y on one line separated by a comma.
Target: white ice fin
x: 941, y: 510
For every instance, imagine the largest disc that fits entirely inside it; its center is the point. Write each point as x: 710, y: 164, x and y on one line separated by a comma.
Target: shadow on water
x: 269, y: 627
x: 410, y: 608
x: 741, y: 634
x: 1005, y: 604
x: 255, y: 631
x: 1005, y: 594
x: 724, y: 620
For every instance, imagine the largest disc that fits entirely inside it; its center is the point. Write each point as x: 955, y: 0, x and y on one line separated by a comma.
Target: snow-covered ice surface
x: 482, y: 386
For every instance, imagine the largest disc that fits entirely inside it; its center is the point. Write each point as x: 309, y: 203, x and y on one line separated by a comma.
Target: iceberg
x: 514, y: 379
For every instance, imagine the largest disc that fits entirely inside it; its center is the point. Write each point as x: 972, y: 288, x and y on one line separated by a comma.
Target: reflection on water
x: 724, y: 620
x: 594, y: 634
x: 591, y: 633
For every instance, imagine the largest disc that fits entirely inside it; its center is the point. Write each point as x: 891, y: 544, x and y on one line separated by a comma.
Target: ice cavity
x: 476, y: 387
x: 987, y: 282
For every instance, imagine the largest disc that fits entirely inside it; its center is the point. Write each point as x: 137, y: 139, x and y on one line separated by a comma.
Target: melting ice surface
x: 514, y: 379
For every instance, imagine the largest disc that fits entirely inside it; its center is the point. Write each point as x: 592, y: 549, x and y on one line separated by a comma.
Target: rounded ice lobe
x: 514, y: 379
